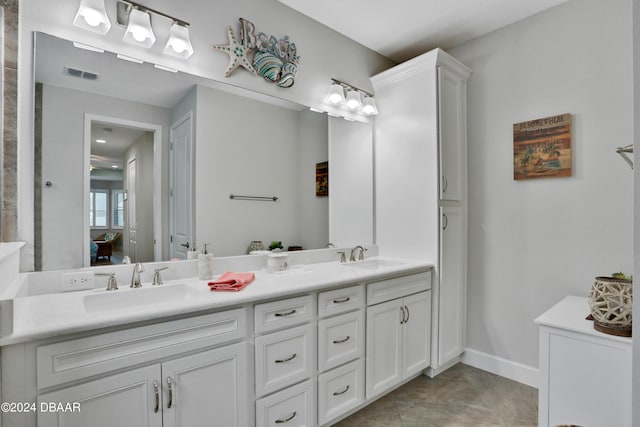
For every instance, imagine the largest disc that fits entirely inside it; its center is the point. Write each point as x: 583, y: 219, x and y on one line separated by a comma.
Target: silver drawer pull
x: 342, y: 340
x: 170, y: 393
x: 156, y: 391
x: 286, y: 420
x: 341, y: 300
x: 288, y: 313
x: 338, y: 393
x: 288, y: 359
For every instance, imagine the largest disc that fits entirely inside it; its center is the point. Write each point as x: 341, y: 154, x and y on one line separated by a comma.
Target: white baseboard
x: 505, y: 368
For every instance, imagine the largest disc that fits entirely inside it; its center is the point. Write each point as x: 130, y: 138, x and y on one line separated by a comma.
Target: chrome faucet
x: 354, y: 251
x: 135, y: 278
x: 157, y: 279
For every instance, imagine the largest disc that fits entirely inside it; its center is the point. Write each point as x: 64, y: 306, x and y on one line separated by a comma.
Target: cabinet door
x: 384, y: 342
x: 416, y: 333
x: 452, y: 299
x: 207, y: 389
x: 130, y: 399
x: 452, y: 134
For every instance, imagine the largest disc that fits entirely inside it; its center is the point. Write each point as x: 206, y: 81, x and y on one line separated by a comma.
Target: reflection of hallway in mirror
x: 121, y: 193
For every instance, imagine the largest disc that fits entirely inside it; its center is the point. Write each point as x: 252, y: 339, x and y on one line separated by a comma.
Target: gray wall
x: 533, y: 242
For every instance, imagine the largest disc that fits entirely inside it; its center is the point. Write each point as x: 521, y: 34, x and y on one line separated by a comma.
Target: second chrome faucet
x: 135, y: 278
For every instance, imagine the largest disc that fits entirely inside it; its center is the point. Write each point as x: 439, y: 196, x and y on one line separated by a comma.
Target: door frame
x: 157, y: 179
x: 192, y: 231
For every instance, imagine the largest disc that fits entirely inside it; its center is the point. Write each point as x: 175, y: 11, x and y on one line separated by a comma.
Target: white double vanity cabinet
x: 297, y: 360
x: 304, y: 348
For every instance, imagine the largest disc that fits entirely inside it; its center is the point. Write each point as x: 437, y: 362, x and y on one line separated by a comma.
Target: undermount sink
x: 131, y: 298
x: 374, y: 264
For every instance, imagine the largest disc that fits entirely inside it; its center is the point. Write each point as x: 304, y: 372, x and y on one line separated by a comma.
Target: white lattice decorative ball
x: 611, y: 303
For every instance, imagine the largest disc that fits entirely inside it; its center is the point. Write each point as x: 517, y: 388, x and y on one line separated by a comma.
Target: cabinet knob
x: 345, y: 339
x: 288, y: 313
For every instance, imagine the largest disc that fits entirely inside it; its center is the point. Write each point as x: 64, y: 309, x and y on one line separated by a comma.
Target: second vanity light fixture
x: 356, y: 100
x: 136, y: 18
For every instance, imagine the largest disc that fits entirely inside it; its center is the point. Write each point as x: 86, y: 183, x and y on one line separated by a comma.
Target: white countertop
x: 44, y: 316
x: 570, y: 314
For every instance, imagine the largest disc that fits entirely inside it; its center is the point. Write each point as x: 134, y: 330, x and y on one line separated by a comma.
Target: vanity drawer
x: 293, y: 407
x: 340, y: 339
x: 340, y: 390
x: 386, y: 290
x: 340, y: 300
x: 279, y: 314
x: 80, y: 358
x: 283, y: 358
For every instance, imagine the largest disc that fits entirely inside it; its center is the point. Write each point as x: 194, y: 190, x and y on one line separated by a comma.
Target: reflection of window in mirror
x: 117, y: 210
x: 98, y: 208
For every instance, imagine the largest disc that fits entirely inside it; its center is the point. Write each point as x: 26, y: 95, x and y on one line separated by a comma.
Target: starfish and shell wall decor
x: 274, y: 59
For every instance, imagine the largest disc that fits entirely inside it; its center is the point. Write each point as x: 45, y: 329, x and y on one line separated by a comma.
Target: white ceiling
x: 403, y: 29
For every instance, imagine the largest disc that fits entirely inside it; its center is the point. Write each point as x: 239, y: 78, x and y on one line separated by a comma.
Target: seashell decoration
x: 276, y: 60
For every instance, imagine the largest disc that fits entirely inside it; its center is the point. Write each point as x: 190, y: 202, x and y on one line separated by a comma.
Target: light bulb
x: 353, y: 100
x: 178, y: 45
x: 139, y: 33
x: 334, y: 98
x: 92, y: 17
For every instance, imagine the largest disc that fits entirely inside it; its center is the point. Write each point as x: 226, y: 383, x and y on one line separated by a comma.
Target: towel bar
x: 257, y: 198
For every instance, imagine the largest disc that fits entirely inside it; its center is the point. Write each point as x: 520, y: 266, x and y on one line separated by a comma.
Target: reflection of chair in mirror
x: 106, y: 242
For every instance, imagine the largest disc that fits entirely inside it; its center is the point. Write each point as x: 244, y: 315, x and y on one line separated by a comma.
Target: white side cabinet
x: 398, y: 340
x: 585, y: 375
x: 421, y: 151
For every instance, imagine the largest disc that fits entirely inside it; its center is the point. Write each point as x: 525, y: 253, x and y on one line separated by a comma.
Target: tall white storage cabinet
x: 421, y: 184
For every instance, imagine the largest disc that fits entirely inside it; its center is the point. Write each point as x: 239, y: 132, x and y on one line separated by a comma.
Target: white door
x: 181, y: 191
x: 384, y: 347
x: 207, y: 389
x: 131, y: 224
x: 416, y: 333
x: 452, y: 298
x: 128, y: 399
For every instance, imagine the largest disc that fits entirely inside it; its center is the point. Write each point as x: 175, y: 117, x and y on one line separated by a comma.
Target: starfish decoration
x: 237, y: 54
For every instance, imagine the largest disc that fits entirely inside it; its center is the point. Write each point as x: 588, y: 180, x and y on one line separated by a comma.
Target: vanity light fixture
x: 139, y: 30
x: 179, y: 43
x: 101, y: 141
x: 356, y: 100
x: 137, y: 19
x: 92, y: 16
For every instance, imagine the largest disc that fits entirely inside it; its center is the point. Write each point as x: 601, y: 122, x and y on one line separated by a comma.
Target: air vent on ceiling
x: 80, y: 74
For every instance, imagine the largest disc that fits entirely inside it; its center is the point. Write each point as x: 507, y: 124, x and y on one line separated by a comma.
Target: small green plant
x: 275, y: 245
x: 620, y: 275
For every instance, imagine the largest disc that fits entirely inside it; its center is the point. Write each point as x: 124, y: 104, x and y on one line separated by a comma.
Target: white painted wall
x: 254, y: 153
x: 313, y: 211
x: 324, y: 53
x: 350, y: 183
x: 63, y: 144
x: 533, y: 242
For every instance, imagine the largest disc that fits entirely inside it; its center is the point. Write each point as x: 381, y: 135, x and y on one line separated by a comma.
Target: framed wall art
x: 542, y: 148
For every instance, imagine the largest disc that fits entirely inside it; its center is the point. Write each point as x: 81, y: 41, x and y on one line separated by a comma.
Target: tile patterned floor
x: 459, y: 397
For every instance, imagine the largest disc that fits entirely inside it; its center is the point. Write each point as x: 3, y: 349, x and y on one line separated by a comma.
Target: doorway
x: 122, y: 207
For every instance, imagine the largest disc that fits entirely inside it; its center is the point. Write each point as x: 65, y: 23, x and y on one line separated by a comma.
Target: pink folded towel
x: 232, y: 282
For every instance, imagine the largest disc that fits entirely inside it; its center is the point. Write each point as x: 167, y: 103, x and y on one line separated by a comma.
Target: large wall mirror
x: 138, y: 161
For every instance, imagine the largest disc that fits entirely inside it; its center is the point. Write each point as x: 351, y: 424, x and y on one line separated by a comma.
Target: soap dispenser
x: 205, y: 264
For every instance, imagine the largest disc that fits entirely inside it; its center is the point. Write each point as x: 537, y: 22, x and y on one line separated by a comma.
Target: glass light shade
x: 369, y: 107
x: 139, y: 30
x: 335, y: 95
x: 92, y: 16
x: 354, y: 102
x: 179, y: 43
